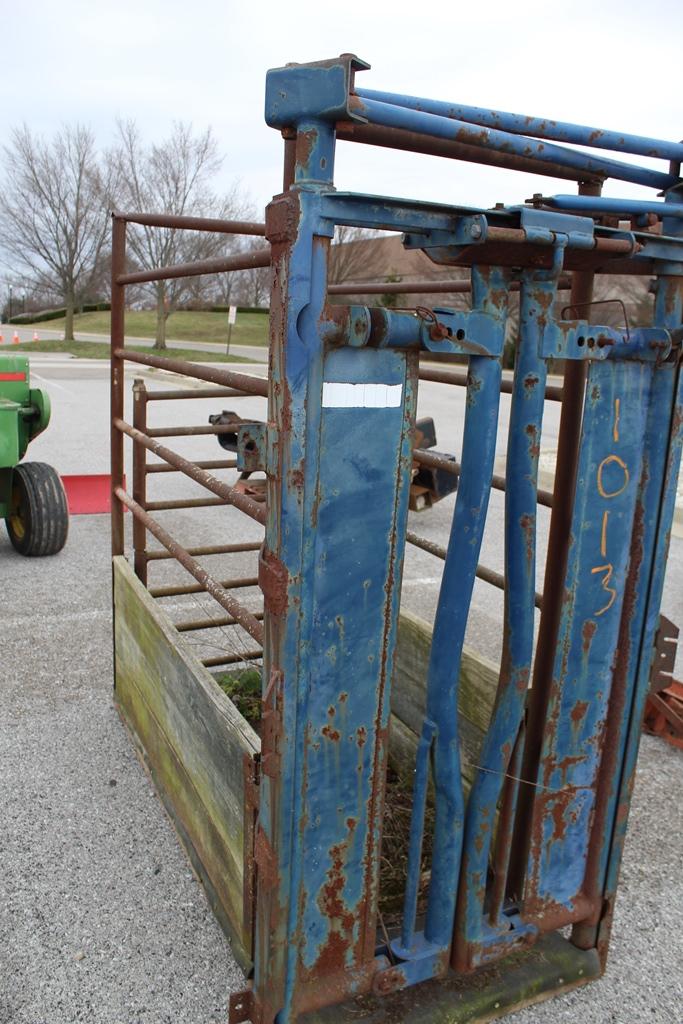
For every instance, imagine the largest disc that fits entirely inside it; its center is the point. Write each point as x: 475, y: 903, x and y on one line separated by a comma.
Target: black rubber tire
x: 41, y: 523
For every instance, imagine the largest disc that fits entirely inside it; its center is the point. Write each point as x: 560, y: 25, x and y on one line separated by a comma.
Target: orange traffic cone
x: 2, y: 339
x: 15, y: 338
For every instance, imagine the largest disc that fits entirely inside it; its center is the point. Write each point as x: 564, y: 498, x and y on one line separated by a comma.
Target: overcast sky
x: 609, y: 63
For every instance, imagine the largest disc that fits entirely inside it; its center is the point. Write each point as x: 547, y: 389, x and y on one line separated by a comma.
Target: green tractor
x: 32, y: 499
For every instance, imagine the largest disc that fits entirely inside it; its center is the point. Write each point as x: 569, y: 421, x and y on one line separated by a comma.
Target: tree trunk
x: 162, y: 316
x: 69, y: 303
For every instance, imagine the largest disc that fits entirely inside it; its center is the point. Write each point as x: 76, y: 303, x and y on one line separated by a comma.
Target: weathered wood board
x: 478, y: 683
x: 194, y: 742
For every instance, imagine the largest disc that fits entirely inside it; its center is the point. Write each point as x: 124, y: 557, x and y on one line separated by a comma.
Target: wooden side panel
x: 194, y: 741
x: 478, y: 682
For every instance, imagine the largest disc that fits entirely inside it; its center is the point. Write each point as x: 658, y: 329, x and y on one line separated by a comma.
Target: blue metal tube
x: 490, y: 138
x: 536, y: 127
x: 315, y: 159
x: 590, y: 204
x: 467, y: 528
x: 416, y: 834
x: 479, y: 446
x: 526, y: 417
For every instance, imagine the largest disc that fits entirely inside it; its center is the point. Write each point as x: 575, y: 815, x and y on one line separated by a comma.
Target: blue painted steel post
x: 299, y: 269
x: 330, y: 573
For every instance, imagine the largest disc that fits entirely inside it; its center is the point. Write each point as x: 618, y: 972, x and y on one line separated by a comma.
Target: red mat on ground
x: 88, y: 494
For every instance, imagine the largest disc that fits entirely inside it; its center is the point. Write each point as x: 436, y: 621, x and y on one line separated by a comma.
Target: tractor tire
x: 39, y: 523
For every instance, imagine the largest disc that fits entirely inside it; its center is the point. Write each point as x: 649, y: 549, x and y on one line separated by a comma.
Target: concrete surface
x: 101, y: 919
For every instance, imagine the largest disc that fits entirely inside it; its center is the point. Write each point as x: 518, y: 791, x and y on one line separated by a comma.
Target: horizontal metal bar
x: 192, y: 431
x: 195, y: 625
x: 438, y: 286
x: 537, y: 127
x: 170, y: 220
x: 181, y: 503
x: 394, y: 116
x: 230, y: 494
x: 496, y: 579
x: 160, y: 467
x: 206, y: 582
x: 216, y: 549
x: 415, y: 142
x: 176, y: 590
x: 556, y: 131
x: 600, y: 204
x: 179, y: 394
x: 553, y: 392
x: 231, y: 659
x: 424, y: 457
x: 518, y: 236
x: 217, y: 265
x: 245, y: 382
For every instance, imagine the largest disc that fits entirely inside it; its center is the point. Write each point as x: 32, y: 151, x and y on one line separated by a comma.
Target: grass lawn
x: 96, y: 350
x: 250, y: 329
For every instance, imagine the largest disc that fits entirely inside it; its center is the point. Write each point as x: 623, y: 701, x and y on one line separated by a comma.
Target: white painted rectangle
x: 361, y: 396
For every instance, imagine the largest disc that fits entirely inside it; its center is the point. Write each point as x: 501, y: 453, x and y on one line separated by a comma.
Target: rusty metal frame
x: 316, y: 941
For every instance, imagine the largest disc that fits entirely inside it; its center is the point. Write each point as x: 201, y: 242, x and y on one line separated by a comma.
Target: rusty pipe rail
x: 200, y: 476
x: 215, y: 549
x: 195, y: 625
x: 232, y: 659
x: 195, y: 430
x: 426, y: 458
x: 459, y: 285
x: 496, y: 579
x: 244, y: 382
x: 183, y: 503
x: 215, y: 265
x: 414, y: 142
x: 179, y: 589
x: 185, y: 223
x: 243, y: 616
x: 553, y: 392
x: 160, y: 467
x: 179, y: 394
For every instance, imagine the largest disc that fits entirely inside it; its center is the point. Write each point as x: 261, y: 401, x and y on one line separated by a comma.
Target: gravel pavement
x: 101, y: 919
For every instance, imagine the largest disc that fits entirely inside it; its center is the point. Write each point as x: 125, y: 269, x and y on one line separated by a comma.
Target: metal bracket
x: 464, y: 332
x: 319, y: 91
x: 542, y: 227
x: 664, y: 655
x: 577, y: 339
x: 271, y: 725
x: 470, y: 230
x: 266, y: 861
x: 241, y: 1007
x: 252, y: 447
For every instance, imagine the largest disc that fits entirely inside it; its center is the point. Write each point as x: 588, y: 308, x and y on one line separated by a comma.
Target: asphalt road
x: 101, y: 919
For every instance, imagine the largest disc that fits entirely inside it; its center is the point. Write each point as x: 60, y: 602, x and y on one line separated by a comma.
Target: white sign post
x: 232, y: 319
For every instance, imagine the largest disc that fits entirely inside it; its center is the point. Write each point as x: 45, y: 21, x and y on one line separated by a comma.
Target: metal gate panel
x: 617, y: 396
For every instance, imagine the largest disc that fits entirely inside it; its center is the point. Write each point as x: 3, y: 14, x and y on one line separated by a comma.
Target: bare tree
x: 53, y: 212
x: 173, y: 177
x: 350, y: 259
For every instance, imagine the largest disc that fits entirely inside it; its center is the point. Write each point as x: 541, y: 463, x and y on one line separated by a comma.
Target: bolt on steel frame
x: 536, y: 845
